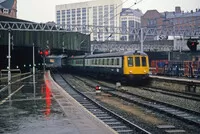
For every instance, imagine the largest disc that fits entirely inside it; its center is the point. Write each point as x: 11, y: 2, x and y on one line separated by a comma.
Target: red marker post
x: 98, y: 90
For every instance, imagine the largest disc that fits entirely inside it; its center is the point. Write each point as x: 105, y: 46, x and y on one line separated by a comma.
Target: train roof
x: 122, y: 53
x: 78, y: 57
x: 57, y: 56
x: 116, y: 54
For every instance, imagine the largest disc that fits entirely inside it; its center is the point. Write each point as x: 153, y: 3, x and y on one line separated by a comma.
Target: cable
x: 110, y: 12
x: 104, y: 17
x: 114, y: 9
x: 120, y: 12
x: 127, y: 8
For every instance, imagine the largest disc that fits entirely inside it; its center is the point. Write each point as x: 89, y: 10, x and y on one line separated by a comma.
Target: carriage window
x: 130, y: 61
x: 95, y: 61
x: 117, y: 61
x: 101, y: 61
x: 112, y: 60
x: 107, y: 61
x: 144, y: 63
x: 90, y: 61
x: 137, y: 61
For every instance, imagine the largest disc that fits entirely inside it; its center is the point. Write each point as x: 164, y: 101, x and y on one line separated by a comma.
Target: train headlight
x: 145, y: 71
x: 130, y: 72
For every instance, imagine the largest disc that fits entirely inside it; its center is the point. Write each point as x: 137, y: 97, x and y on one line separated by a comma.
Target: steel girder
x: 29, y: 26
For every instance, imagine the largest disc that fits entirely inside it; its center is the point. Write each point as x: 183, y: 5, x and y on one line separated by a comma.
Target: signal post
x: 43, y: 54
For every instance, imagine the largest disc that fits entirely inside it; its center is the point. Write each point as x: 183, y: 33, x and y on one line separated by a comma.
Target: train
x: 56, y: 61
x: 123, y: 66
x: 188, y: 68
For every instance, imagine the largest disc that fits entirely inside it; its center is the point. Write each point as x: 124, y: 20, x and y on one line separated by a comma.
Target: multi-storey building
x: 130, y: 19
x: 182, y: 20
x: 78, y: 16
x: 8, y: 8
x: 176, y: 20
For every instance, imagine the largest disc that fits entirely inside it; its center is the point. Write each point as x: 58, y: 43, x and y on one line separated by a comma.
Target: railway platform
x: 83, y: 121
x: 38, y: 105
x: 176, y: 83
x: 176, y: 79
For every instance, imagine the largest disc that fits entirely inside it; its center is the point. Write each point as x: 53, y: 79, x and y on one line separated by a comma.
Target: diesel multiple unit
x: 131, y: 65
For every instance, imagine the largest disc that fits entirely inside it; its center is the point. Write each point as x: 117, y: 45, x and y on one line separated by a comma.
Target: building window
x: 151, y: 23
x: 124, y: 38
x: 58, y: 13
x: 124, y: 27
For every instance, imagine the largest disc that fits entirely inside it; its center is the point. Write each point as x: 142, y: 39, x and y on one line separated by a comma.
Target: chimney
x: 177, y: 9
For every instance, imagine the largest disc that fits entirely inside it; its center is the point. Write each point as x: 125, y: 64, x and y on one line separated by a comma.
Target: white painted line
x: 4, y: 88
x: 21, y: 79
x: 165, y: 126
x: 3, y: 101
x: 175, y: 131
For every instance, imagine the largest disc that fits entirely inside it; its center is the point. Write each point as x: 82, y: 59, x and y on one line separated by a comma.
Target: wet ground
x: 31, y: 109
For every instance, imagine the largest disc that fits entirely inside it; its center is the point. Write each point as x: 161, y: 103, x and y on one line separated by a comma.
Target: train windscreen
x: 144, y: 61
x: 130, y: 61
x: 137, y: 61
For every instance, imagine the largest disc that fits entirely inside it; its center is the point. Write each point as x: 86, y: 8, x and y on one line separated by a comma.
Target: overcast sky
x: 44, y: 10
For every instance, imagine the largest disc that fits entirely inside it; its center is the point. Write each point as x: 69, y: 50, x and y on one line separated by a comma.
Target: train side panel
x: 104, y: 65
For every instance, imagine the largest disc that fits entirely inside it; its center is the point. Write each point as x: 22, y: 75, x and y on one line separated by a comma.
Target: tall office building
x: 101, y: 13
x: 130, y: 19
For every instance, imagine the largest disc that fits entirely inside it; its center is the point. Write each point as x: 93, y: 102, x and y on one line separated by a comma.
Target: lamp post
x: 142, y: 40
x: 63, y: 46
x: 9, y: 58
x: 33, y: 59
x: 107, y: 42
x: 9, y: 63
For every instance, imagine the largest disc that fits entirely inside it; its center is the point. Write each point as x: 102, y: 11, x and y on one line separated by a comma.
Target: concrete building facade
x: 78, y: 16
x: 130, y: 19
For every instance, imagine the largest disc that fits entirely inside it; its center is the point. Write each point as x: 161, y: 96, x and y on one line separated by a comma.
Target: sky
x: 44, y: 10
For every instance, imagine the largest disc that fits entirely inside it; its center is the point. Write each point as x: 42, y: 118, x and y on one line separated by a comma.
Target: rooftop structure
x: 8, y: 8
x: 176, y: 20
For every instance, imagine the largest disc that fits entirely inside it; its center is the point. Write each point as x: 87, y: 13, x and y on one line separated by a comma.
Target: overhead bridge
x: 25, y: 34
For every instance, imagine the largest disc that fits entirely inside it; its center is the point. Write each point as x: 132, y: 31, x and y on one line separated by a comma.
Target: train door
x: 128, y: 65
x: 141, y: 64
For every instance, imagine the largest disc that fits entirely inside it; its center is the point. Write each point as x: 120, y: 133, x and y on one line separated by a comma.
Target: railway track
x: 118, y: 123
x: 186, y: 95
x: 183, y: 114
